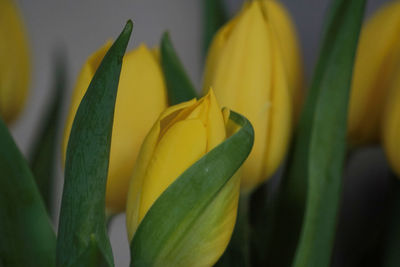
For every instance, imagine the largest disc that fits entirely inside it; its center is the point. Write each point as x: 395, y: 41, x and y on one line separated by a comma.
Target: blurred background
x: 80, y: 27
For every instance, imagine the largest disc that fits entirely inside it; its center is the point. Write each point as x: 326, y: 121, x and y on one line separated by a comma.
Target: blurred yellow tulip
x: 254, y: 65
x: 141, y: 98
x: 15, y: 62
x: 391, y: 124
x: 181, y: 136
x: 377, y: 57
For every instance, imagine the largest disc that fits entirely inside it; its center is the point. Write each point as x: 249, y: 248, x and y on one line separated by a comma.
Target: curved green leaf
x: 26, y: 235
x: 214, y: 17
x: 326, y: 110
x: 82, y: 235
x: 43, y: 153
x: 184, y: 207
x: 311, y: 189
x: 179, y: 86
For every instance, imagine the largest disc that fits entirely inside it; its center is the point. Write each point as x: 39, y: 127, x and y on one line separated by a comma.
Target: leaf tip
x: 128, y: 27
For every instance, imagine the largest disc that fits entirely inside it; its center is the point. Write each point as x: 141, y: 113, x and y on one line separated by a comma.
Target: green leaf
x: 306, y: 210
x: 82, y: 235
x: 214, y: 17
x: 44, y: 149
x: 175, y: 224
x: 325, y: 124
x: 26, y: 235
x: 179, y: 86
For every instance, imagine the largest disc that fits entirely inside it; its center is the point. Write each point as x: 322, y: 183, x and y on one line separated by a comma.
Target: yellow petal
x: 288, y: 43
x: 243, y: 81
x: 215, y: 49
x: 373, y: 71
x: 255, y: 69
x: 215, y: 122
x: 176, y: 113
x: 136, y: 183
x: 280, y: 127
x: 181, y: 146
x: 15, y: 62
x: 146, y: 152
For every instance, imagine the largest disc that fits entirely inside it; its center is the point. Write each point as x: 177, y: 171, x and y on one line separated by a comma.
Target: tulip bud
x: 391, y: 125
x: 14, y: 63
x: 377, y: 56
x: 180, y: 137
x: 140, y: 100
x: 254, y: 67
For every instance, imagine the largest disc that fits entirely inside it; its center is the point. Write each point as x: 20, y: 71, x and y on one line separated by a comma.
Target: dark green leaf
x: 82, y: 235
x: 26, y: 235
x: 312, y: 184
x: 184, y: 202
x: 179, y: 86
x: 325, y: 123
x: 44, y: 149
x: 214, y: 17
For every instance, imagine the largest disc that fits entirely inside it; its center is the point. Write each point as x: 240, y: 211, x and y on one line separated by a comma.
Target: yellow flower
x: 181, y: 136
x: 140, y: 100
x: 391, y: 124
x: 14, y: 63
x: 377, y: 56
x: 254, y: 66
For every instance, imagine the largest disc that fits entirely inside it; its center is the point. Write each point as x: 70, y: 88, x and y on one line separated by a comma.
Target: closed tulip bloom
x: 391, y: 124
x: 181, y: 136
x: 14, y: 63
x: 255, y: 68
x: 377, y: 56
x: 140, y: 100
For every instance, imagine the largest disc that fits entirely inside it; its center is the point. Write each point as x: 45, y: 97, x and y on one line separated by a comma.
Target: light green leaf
x: 193, y: 208
x: 26, y: 235
x: 326, y: 128
x: 179, y: 86
x: 82, y: 235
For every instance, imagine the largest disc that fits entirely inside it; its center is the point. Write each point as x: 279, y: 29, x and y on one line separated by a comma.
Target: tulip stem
x: 238, y: 250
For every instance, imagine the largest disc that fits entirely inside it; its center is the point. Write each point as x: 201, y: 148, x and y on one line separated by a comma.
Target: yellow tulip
x: 254, y: 66
x: 391, y: 124
x: 140, y: 100
x: 14, y: 63
x: 181, y: 136
x: 377, y: 56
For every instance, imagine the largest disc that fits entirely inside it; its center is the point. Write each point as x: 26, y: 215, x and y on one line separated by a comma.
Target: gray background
x: 81, y: 27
